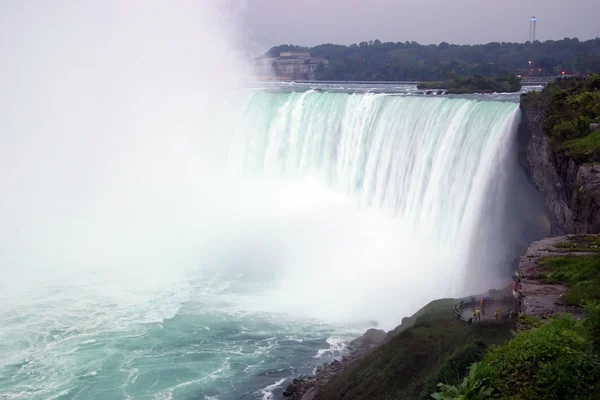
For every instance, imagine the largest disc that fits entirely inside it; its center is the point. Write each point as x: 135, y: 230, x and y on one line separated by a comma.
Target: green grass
x: 581, y: 243
x: 528, y: 322
x: 581, y: 275
x: 434, y: 346
x: 585, y: 148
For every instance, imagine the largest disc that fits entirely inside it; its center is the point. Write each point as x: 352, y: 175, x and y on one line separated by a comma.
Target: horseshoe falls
x: 333, y: 213
x: 170, y: 230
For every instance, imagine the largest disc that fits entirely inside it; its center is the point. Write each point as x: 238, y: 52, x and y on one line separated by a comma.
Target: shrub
x: 569, y: 108
x: 475, y: 386
x: 528, y: 322
x: 592, y: 324
x: 552, y: 361
x: 455, y: 367
x: 557, y: 360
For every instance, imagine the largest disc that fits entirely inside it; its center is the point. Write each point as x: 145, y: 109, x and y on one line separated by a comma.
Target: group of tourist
x: 479, y: 312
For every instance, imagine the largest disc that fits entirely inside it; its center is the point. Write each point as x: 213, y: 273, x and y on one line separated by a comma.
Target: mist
x: 110, y: 113
x: 127, y: 163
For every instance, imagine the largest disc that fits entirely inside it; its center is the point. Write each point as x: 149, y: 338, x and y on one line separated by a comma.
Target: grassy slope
x: 410, y: 365
x: 581, y: 275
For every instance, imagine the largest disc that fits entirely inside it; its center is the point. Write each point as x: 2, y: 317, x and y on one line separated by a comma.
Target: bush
x: 592, y: 324
x: 528, y: 322
x: 475, y: 386
x: 552, y: 361
x: 585, y: 148
x: 455, y: 367
x: 569, y: 107
x: 556, y: 360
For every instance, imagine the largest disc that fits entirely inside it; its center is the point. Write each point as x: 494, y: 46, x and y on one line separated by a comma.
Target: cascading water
x: 334, y: 212
x: 417, y: 186
x: 164, y: 233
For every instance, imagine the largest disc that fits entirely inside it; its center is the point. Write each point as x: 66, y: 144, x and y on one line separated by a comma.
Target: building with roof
x: 289, y: 66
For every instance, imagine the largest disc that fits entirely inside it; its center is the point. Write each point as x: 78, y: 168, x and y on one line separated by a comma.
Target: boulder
x: 310, y: 394
x: 289, y: 390
x: 374, y: 336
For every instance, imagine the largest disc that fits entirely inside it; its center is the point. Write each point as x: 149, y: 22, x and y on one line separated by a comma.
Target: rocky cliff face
x: 543, y: 299
x: 571, y: 191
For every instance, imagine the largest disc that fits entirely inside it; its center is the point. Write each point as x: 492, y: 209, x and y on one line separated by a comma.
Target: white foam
x: 337, y: 348
x: 267, y: 392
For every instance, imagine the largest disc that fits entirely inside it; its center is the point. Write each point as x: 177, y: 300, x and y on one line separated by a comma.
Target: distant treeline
x: 475, y: 84
x: 411, y: 61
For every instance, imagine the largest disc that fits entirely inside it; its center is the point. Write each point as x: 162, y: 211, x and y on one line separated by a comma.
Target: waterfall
x: 434, y: 171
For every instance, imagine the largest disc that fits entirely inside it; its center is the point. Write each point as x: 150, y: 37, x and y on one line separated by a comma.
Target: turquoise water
x: 321, y: 230
x: 190, y: 339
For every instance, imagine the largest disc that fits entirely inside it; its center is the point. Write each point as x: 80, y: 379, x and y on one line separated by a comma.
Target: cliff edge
x: 541, y: 295
x: 570, y: 185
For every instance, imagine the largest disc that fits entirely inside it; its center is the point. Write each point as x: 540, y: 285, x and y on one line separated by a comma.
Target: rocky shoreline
x: 308, y: 389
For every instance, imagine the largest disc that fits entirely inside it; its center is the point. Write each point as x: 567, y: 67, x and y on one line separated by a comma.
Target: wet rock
x: 370, y: 337
x: 290, y: 389
x: 308, y: 389
x: 374, y: 336
x: 310, y: 394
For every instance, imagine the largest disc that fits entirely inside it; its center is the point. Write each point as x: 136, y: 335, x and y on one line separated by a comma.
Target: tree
x: 413, y: 61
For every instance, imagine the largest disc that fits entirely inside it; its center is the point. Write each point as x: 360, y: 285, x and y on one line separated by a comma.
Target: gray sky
x: 311, y: 22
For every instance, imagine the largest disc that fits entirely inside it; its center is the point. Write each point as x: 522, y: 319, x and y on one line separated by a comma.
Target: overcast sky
x: 312, y: 22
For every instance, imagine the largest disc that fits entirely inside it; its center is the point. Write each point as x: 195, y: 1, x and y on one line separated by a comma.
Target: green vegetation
x: 581, y: 275
x: 528, y: 322
x: 476, y: 385
x: 587, y: 147
x: 436, y: 356
x: 411, y: 61
x: 556, y: 360
x: 432, y: 346
x: 570, y: 106
x: 581, y: 243
x: 476, y: 84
